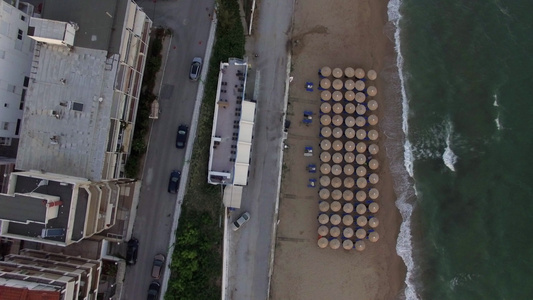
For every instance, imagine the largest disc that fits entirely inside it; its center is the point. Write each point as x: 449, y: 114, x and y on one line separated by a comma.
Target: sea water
x: 462, y: 165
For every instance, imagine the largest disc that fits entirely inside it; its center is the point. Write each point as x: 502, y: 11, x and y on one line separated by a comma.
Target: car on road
x: 196, y: 67
x: 240, y: 221
x: 174, y: 182
x: 153, y: 290
x: 181, y: 137
x: 157, y: 267
x: 131, y: 254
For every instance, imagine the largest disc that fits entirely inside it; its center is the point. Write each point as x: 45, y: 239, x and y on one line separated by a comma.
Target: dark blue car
x: 174, y: 182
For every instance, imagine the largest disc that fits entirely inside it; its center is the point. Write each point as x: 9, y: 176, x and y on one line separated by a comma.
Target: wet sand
x: 336, y: 33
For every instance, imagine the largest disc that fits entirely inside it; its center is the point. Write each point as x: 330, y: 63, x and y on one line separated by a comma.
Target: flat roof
x: 66, y: 120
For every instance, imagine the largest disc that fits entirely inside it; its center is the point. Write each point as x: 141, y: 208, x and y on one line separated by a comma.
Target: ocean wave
x: 448, y: 156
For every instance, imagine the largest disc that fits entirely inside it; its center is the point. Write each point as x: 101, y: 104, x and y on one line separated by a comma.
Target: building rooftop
x: 67, y: 113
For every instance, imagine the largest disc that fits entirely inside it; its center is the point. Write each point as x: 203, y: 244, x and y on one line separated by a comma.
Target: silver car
x: 196, y: 68
x: 240, y: 221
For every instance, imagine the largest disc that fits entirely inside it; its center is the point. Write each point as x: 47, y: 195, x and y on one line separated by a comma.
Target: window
x: 5, y: 125
x: 6, y: 105
x: 23, y: 18
x: 26, y: 81
x: 19, y: 36
x: 22, y: 99
x: 77, y: 106
x: 17, y: 130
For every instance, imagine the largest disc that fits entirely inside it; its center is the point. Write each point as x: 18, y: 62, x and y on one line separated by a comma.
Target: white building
x: 16, y: 51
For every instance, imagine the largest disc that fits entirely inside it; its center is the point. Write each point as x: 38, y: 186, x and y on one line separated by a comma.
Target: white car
x: 240, y: 221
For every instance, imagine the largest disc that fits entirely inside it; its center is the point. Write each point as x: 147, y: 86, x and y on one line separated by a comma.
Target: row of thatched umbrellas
x: 349, y: 108
x: 348, y: 207
x: 348, y: 85
x: 348, y: 244
x: 349, y: 72
x: 349, y: 156
x: 347, y: 195
x: 348, y: 122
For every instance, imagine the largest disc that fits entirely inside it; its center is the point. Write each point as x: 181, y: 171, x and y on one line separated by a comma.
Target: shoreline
x: 302, y: 270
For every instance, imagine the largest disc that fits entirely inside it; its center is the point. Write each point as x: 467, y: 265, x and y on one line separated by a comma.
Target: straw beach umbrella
x: 325, y: 83
x: 334, y: 231
x: 360, y: 158
x: 337, y: 158
x: 373, y: 149
x: 360, y: 121
x: 337, y: 120
x: 337, y: 145
x: 325, y: 120
x: 359, y: 85
x: 322, y: 242
x: 373, y: 222
x: 334, y: 244
x: 348, y: 169
x: 337, y: 108
x: 372, y: 120
x: 323, y: 230
x: 323, y: 194
x: 373, y: 178
x: 325, y: 132
x: 373, y: 134
x: 349, y: 157
x: 325, y: 145
x: 325, y: 157
x: 349, y: 72
x: 361, y: 134
x: 347, y: 208
x: 373, y: 207
x: 336, y: 96
x: 347, y: 220
x: 325, y: 181
x: 349, y: 133
x: 373, y: 236
x: 325, y: 95
x: 373, y: 164
x: 360, y: 233
x: 373, y: 193
x: 360, y: 245
x: 361, y: 147
x: 325, y: 168
x: 360, y: 109
x: 372, y: 104
x: 349, y: 108
x: 323, y: 206
x: 335, y: 206
x: 361, y: 182
x: 350, y: 121
x: 336, y: 195
x: 337, y: 72
x: 325, y: 71
x: 347, y: 195
x: 347, y: 232
x: 337, y: 84
x: 371, y: 91
x: 360, y: 97
x: 349, y: 146
x: 360, y: 196
x: 361, y: 221
x: 323, y: 219
x: 349, y: 84
x: 360, y: 209
x: 336, y: 170
x: 349, y: 182
x: 347, y: 244
x: 361, y: 171
x: 359, y: 73
x: 372, y: 75
x: 335, y: 219
x: 337, y: 132
x: 336, y: 182
x: 349, y: 95
x: 325, y: 107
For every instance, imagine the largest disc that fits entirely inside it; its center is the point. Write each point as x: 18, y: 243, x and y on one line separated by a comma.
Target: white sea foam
x: 404, y: 246
x: 495, y: 96
x: 498, y: 124
x: 449, y: 157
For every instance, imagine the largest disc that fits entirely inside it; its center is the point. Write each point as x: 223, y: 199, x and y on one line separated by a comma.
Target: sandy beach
x: 336, y: 33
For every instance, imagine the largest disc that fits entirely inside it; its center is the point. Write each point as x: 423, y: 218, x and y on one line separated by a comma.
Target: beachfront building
x: 16, y: 51
x: 232, y: 133
x: 84, y: 86
x: 34, y: 274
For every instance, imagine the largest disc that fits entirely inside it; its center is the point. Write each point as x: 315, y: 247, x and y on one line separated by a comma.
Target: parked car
x: 157, y: 267
x: 181, y: 137
x: 174, y: 182
x: 153, y: 290
x: 196, y: 67
x: 131, y: 254
x: 240, y: 221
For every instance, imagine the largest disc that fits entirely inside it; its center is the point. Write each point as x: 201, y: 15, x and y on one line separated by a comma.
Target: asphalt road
x: 190, y: 23
x: 250, y: 247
